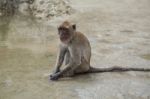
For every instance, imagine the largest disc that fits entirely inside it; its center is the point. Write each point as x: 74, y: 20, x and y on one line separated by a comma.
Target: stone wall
x: 40, y: 9
x: 50, y: 8
x: 8, y: 7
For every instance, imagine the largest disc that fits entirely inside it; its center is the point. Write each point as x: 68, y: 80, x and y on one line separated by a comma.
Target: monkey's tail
x: 116, y: 69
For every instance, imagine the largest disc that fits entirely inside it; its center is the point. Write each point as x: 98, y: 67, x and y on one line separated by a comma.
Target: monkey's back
x: 84, y: 46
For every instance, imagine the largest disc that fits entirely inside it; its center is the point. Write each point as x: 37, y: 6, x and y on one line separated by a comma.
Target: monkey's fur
x: 76, y: 50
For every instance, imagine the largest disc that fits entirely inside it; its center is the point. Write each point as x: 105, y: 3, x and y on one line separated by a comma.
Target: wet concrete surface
x: 119, y: 32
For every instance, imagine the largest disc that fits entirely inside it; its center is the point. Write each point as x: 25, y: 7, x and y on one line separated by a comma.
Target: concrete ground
x: 119, y: 32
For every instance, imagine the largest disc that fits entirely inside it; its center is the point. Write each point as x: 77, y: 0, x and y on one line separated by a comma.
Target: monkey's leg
x: 83, y: 68
x: 74, y: 62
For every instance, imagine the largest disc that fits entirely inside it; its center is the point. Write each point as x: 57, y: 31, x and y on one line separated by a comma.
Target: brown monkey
x: 76, y: 50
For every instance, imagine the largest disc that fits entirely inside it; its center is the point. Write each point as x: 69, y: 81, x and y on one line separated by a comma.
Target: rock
x: 8, y: 7
x: 44, y: 9
x: 40, y: 9
x: 24, y: 8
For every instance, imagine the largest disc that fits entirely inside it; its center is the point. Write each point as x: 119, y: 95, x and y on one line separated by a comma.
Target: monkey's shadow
x: 81, y: 78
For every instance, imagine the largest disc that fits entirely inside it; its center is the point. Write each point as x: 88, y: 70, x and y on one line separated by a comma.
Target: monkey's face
x: 65, y: 33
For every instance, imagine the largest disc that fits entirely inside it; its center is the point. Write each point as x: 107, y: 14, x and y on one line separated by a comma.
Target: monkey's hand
x: 55, y: 76
x: 56, y: 71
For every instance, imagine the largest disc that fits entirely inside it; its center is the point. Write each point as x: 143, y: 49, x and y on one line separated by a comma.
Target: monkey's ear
x: 74, y: 26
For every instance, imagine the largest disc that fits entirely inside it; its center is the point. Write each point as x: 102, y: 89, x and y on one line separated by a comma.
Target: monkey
x: 75, y: 51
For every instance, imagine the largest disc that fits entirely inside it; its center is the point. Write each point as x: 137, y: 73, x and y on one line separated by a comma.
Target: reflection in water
x: 4, y: 28
x: 29, y: 55
x: 7, y: 11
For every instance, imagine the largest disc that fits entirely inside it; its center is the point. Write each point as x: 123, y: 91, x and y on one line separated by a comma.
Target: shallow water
x: 28, y: 53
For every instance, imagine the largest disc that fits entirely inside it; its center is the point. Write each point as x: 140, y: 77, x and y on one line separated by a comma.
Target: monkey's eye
x: 66, y: 30
x: 63, y: 30
x: 60, y: 28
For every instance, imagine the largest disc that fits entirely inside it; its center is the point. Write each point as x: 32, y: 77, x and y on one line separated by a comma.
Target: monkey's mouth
x: 64, y: 37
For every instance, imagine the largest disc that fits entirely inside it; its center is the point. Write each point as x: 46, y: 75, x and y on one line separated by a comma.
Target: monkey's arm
x: 75, y: 61
x: 69, y: 71
x: 60, y: 58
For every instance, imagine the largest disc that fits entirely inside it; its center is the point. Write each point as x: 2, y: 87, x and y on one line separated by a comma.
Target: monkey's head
x: 66, y: 31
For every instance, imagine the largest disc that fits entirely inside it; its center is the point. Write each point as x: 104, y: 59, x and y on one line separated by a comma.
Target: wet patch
x: 22, y: 72
x: 4, y: 28
x: 3, y: 32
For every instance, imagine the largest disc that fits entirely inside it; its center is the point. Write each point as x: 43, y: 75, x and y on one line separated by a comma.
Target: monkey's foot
x: 55, y: 76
